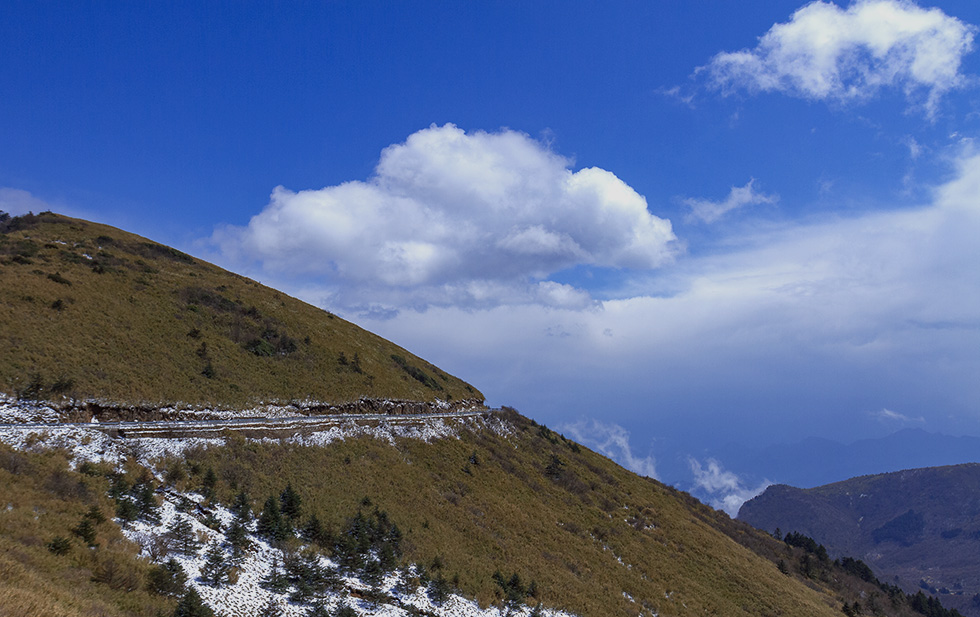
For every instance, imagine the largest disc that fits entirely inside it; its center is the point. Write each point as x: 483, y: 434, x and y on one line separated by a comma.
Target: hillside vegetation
x: 510, y: 497
x: 919, y: 528
x: 93, y: 312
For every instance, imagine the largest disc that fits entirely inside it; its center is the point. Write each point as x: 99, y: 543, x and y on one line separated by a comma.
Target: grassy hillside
x: 90, y: 311
x: 514, y: 498
x: 595, y: 538
x: 919, y: 527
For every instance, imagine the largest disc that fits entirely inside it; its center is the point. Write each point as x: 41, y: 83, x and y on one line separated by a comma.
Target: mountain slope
x: 500, y: 494
x: 485, y: 503
x: 919, y: 526
x: 93, y: 312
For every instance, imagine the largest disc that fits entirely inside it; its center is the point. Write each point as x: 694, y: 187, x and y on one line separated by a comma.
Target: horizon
x: 673, y: 233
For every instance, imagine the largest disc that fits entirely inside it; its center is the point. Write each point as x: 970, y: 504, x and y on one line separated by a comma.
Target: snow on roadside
x: 247, y: 597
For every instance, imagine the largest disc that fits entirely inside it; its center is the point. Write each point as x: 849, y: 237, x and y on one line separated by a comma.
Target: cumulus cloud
x: 449, y: 217
x: 739, y: 196
x: 722, y: 489
x: 611, y: 440
x: 825, y: 52
x: 788, y: 332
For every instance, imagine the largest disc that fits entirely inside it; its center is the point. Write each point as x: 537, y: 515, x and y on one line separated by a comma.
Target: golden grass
x: 575, y: 535
x: 40, y: 499
x: 95, y: 312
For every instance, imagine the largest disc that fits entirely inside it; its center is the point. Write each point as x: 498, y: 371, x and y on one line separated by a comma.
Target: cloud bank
x: 828, y: 53
x: 454, y: 218
x: 795, y: 330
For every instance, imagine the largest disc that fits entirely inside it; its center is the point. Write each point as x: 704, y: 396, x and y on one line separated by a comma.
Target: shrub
x: 59, y: 545
x: 57, y: 278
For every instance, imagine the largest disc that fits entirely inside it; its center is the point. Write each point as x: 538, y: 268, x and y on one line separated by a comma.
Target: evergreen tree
x: 181, y: 536
x: 215, y: 569
x: 275, y: 581
x: 318, y: 610
x: 146, y: 502
x: 344, y: 610
x: 95, y: 515
x: 271, y: 609
x: 208, y: 483
x: 126, y: 510
x: 242, y: 507
x: 314, y: 531
x: 86, y: 531
x: 290, y: 503
x: 119, y: 487
x: 167, y: 579
x: 237, y: 537
x: 439, y: 589
x: 191, y: 605
x: 271, y: 524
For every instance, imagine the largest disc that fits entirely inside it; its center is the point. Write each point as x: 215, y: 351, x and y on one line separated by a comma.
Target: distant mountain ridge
x: 917, y: 527
x: 816, y: 461
x: 94, y: 312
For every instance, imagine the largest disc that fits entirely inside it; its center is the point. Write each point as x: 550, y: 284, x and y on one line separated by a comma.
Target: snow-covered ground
x: 247, y: 597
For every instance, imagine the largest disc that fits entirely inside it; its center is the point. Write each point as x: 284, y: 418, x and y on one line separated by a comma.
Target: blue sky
x: 661, y: 226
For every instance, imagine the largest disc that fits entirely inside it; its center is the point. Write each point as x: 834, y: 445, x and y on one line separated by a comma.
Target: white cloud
x: 613, y: 441
x: 893, y: 417
x: 722, y: 489
x: 739, y: 196
x: 790, y: 327
x: 455, y: 218
x: 18, y: 201
x: 825, y: 52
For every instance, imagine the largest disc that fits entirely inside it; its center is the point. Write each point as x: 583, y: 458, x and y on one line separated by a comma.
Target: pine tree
x: 271, y: 609
x: 271, y: 524
x: 242, y: 507
x: 215, y: 569
x: 275, y: 581
x: 181, y: 536
x: 344, y: 610
x: 146, y: 502
x: 191, y: 605
x: 291, y: 503
x: 127, y: 510
x: 237, y: 537
x: 167, y: 579
x: 319, y: 610
x: 314, y: 531
x: 86, y: 531
x: 208, y: 483
x: 439, y: 589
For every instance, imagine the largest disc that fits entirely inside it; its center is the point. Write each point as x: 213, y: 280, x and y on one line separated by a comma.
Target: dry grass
x: 90, y: 311
x: 585, y: 536
x: 40, y: 499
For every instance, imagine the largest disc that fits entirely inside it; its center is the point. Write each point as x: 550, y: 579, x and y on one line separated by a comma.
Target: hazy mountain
x: 918, y: 527
x: 816, y: 461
